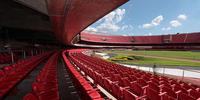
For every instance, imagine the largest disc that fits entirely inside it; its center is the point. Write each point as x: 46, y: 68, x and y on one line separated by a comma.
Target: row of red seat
x: 121, y: 39
x: 124, y: 82
x: 13, y: 74
x: 87, y: 92
x: 158, y: 39
x: 185, y: 38
x: 5, y: 58
x: 46, y: 85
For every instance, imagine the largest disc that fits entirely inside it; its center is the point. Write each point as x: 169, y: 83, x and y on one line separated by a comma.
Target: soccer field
x: 169, y: 58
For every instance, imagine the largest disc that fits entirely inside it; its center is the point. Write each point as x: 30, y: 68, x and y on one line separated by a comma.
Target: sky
x: 150, y: 17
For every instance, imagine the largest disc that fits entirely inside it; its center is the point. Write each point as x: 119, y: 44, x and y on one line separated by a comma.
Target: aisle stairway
x: 67, y: 89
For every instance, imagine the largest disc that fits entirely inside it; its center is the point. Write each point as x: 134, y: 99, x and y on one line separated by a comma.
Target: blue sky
x: 151, y: 17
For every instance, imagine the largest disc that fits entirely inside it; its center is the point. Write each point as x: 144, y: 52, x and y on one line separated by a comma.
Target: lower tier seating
x: 46, y: 85
x: 10, y: 76
x: 126, y: 83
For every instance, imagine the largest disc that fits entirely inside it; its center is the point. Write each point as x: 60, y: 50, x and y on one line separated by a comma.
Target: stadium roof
x: 66, y: 18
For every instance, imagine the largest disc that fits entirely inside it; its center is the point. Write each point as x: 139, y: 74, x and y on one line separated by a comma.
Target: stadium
x: 70, y: 50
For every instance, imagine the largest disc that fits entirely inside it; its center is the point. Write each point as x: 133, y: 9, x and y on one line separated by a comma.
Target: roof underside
x: 70, y: 17
x: 66, y: 18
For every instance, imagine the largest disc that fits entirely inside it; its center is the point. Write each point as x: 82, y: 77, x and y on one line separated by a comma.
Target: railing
x: 180, y: 72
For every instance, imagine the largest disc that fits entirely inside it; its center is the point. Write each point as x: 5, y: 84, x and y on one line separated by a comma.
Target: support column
x: 183, y: 75
x: 12, y: 56
x: 36, y: 52
x: 32, y: 52
x: 24, y: 53
x: 163, y: 71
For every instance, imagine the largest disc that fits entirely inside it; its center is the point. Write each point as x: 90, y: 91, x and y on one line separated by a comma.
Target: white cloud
x: 182, y: 17
x: 155, y: 22
x: 120, y: 14
x: 175, y: 23
x: 150, y: 34
x: 106, y: 27
x: 91, y: 29
x: 124, y: 27
x: 124, y: 35
x: 147, y: 26
x: 166, y: 28
x: 127, y: 27
x: 110, y: 22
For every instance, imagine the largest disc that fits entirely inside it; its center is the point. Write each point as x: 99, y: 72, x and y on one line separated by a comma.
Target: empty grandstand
x: 46, y: 54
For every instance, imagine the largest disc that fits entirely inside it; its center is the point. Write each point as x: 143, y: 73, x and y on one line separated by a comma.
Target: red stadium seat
x: 153, y: 86
x: 108, y: 84
x: 169, y: 91
x: 179, y: 88
x: 30, y: 96
x: 194, y: 94
x: 127, y: 83
x: 127, y: 95
x: 183, y: 96
x: 186, y: 86
x: 14, y: 74
x: 137, y: 89
x: 117, y: 91
x: 153, y: 95
x: 1, y: 73
x: 132, y: 78
x: 46, y: 86
x: 141, y: 82
x: 86, y: 90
